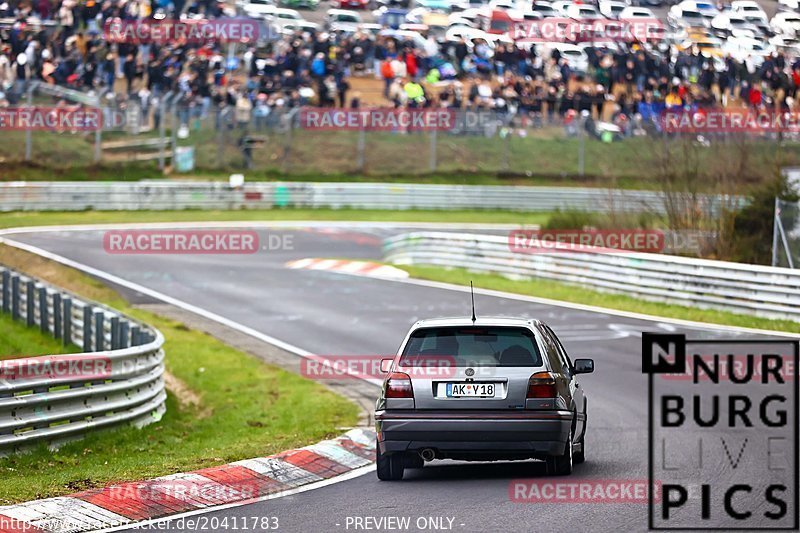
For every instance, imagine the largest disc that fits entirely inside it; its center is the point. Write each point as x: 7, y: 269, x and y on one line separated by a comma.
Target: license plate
x: 469, y: 390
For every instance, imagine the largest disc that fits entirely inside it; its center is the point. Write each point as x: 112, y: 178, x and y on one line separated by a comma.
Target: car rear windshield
x: 473, y: 346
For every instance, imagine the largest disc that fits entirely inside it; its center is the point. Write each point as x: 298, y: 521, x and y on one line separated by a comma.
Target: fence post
x: 28, y: 137
x: 222, y: 123
x: 432, y: 161
x: 87, y: 329
x: 114, y: 332
x: 57, y: 315
x: 123, y: 334
x: 362, y: 142
x: 507, y: 150
x: 15, y: 297
x: 581, y: 146
x: 774, y: 233
x: 99, y: 331
x: 6, y: 291
x: 287, y: 148
x: 162, y: 130
x: 30, y: 295
x: 44, y: 316
x: 67, y: 336
x: 98, y: 133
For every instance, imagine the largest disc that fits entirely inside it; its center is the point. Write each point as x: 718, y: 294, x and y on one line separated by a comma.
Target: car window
x: 474, y: 346
x: 566, y: 363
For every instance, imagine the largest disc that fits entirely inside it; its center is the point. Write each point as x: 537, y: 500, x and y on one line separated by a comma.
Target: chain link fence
x: 169, y: 133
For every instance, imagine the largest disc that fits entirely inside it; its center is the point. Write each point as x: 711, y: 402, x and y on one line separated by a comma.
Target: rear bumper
x: 483, y: 434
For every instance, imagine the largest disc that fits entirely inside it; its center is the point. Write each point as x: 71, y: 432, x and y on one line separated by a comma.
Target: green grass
x: 574, y: 294
x: 19, y: 340
x: 244, y: 408
x: 29, y: 218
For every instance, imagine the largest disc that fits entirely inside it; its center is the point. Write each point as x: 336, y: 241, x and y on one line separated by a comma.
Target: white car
x: 786, y: 23
x: 290, y: 28
x: 281, y: 16
x: 583, y: 12
x: 611, y: 8
x: 752, y: 51
x: 560, y: 7
x: 546, y: 9
x: 636, y: 13
x: 686, y: 18
x: 788, y: 5
x: 576, y: 56
x: 343, y: 20
x: 788, y: 45
x: 749, y: 8
x: 726, y: 24
x: 257, y: 8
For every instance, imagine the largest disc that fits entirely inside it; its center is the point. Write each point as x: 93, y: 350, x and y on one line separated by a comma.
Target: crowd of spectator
x: 258, y: 78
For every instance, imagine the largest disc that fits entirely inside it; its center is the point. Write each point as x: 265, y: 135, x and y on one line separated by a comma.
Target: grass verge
x: 19, y: 340
x: 231, y: 406
x: 574, y: 294
x: 27, y: 218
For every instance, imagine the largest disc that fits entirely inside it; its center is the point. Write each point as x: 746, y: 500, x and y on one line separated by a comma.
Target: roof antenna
x: 472, y: 294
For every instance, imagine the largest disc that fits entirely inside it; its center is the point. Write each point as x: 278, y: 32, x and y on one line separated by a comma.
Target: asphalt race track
x: 331, y: 313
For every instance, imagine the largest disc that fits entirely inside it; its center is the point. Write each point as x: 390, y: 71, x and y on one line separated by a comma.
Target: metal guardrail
x: 118, y: 379
x: 750, y: 289
x: 155, y: 195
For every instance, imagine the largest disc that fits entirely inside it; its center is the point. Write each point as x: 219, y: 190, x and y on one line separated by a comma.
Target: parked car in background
x: 300, y: 4
x: 256, y: 8
x: 785, y: 23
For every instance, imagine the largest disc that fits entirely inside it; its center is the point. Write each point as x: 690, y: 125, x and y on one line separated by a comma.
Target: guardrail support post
x: 114, y: 332
x: 99, y: 331
x: 123, y: 334
x: 87, y: 329
x: 67, y: 336
x: 57, y: 315
x: 15, y: 297
x: 44, y: 316
x: 30, y: 291
x: 6, y: 291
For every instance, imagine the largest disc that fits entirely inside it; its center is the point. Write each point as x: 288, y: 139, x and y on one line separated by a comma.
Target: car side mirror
x: 386, y: 365
x: 583, y: 366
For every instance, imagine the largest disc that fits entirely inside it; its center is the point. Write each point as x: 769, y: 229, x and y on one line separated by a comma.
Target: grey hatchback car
x: 489, y: 389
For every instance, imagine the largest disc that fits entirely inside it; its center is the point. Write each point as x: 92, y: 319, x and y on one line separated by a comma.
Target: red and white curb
x: 343, y: 266
x: 234, y: 483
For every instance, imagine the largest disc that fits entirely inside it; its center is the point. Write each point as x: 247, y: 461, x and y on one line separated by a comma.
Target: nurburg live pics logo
x: 722, y: 443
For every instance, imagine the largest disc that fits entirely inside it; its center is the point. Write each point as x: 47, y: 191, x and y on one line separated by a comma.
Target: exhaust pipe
x: 427, y: 454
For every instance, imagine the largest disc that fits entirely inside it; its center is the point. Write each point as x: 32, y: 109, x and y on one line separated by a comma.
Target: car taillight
x: 542, y: 385
x: 398, y: 385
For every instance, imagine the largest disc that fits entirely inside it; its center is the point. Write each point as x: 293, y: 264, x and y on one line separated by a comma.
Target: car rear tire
x: 561, y: 465
x: 390, y: 467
